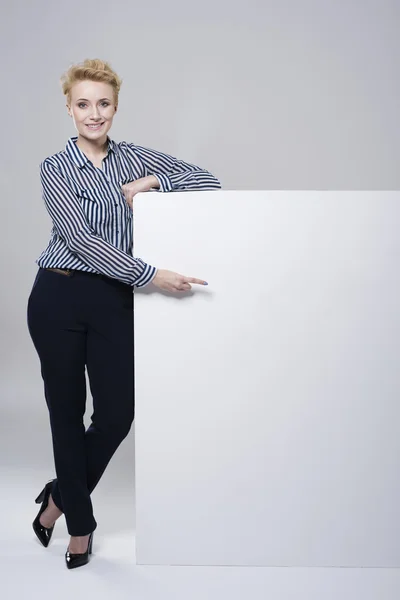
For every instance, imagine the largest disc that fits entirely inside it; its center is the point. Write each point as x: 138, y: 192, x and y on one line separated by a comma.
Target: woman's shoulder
x: 53, y: 162
x: 70, y: 152
x: 132, y: 151
x: 57, y: 158
x: 127, y: 145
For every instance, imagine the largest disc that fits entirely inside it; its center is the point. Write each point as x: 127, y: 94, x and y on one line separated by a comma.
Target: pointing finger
x: 195, y: 280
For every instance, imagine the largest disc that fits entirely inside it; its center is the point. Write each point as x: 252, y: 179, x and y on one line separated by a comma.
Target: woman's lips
x: 95, y: 127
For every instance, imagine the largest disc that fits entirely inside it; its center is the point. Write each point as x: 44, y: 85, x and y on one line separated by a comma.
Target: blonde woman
x: 80, y: 309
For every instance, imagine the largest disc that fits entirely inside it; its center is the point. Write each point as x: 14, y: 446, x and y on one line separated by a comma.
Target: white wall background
x: 267, y: 423
x: 267, y: 95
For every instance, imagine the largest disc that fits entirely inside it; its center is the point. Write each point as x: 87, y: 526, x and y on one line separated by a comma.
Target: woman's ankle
x: 53, y: 506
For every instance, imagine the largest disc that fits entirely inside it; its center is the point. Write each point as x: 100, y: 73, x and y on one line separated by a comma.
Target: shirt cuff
x: 164, y: 181
x: 146, y: 277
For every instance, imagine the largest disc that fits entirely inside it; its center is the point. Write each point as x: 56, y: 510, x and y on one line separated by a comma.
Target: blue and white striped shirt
x: 92, y: 222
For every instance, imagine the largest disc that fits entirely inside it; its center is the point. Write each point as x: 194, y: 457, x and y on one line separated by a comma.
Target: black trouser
x: 80, y: 320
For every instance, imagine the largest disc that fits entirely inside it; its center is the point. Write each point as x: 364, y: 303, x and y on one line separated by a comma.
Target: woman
x: 80, y: 310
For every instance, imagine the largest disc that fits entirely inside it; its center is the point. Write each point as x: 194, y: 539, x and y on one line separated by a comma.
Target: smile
x: 97, y: 126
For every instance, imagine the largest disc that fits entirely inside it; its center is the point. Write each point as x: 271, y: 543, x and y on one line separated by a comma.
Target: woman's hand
x: 173, y: 282
x: 144, y: 184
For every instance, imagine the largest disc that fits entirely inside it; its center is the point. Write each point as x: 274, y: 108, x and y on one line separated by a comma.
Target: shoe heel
x: 91, y: 543
x: 40, y: 498
x: 42, y: 494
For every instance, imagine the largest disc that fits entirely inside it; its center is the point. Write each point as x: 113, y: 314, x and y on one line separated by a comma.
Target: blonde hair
x: 92, y: 69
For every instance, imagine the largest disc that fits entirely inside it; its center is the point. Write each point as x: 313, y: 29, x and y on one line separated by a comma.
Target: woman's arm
x: 72, y: 226
x: 172, y: 173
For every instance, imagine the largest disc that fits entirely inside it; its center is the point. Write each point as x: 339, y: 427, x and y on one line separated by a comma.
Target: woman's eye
x: 84, y: 104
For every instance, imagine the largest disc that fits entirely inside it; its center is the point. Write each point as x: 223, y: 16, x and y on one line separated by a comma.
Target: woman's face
x: 92, y: 103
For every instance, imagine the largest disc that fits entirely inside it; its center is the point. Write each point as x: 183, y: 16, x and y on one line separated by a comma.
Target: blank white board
x: 267, y: 404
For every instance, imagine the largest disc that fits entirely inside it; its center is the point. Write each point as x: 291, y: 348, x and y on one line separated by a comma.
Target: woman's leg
x: 110, y: 365
x: 59, y: 333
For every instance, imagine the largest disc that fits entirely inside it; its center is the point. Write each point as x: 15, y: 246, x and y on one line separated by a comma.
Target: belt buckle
x: 67, y: 272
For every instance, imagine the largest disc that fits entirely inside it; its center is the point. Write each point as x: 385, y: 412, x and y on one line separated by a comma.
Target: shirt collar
x: 78, y: 157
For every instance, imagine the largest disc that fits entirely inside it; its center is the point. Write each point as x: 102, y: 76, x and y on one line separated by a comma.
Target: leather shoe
x: 78, y: 560
x: 43, y: 533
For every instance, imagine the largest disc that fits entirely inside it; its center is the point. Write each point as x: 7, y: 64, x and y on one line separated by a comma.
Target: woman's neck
x: 96, y: 149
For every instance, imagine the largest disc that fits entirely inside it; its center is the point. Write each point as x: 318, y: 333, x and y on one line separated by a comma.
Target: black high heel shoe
x: 43, y: 533
x: 78, y: 560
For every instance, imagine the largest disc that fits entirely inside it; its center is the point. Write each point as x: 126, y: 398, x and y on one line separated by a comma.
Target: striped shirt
x: 92, y: 222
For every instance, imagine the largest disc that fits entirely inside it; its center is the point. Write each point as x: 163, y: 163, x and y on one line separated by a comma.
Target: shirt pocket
x: 96, y: 207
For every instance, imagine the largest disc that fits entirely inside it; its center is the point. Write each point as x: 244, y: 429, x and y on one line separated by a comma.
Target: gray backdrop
x: 267, y: 95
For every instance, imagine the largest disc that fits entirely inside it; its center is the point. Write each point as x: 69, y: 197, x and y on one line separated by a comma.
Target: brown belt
x: 62, y: 271
x: 70, y: 272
